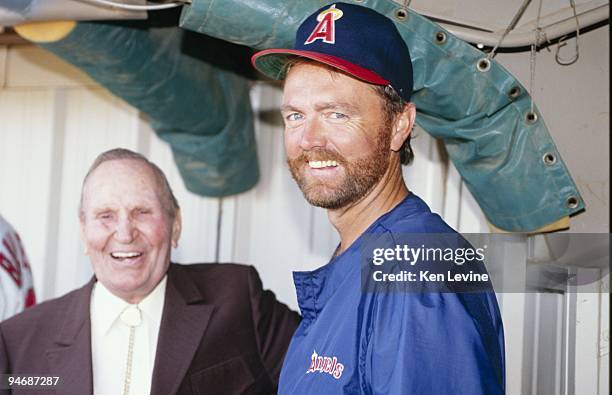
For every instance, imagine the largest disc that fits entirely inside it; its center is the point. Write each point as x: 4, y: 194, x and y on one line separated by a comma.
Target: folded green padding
x: 202, y: 111
x: 510, y: 165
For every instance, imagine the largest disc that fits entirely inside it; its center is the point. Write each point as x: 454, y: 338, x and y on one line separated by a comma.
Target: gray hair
x: 168, y: 200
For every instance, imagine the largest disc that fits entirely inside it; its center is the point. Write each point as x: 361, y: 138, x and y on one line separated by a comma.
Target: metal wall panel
x: 29, y: 66
x: 26, y: 136
x: 3, y: 53
x: 604, y: 338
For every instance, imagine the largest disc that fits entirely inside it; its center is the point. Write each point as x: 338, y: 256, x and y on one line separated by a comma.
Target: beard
x: 359, y: 177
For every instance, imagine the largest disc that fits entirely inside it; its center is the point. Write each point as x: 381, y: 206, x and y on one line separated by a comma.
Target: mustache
x: 319, y: 154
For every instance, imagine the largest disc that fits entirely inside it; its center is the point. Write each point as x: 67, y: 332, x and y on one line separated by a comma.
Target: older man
x: 348, y: 118
x: 143, y: 324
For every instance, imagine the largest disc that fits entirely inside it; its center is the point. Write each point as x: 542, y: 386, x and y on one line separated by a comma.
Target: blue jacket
x: 354, y: 342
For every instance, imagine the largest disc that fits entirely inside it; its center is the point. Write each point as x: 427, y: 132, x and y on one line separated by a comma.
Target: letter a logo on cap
x: 325, y: 29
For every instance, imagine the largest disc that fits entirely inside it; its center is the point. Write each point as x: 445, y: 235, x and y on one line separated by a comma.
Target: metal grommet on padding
x: 531, y: 117
x: 401, y: 14
x: 549, y: 159
x: 572, y: 202
x: 440, y: 37
x: 514, y: 92
x: 483, y: 65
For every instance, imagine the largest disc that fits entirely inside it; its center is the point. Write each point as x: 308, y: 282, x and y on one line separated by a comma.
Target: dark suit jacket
x: 220, y: 333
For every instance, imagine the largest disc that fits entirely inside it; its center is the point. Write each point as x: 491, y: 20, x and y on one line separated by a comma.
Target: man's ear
x: 176, y: 228
x: 82, y: 235
x: 402, y: 126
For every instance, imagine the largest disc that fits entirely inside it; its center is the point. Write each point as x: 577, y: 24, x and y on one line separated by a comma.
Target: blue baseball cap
x: 351, y: 38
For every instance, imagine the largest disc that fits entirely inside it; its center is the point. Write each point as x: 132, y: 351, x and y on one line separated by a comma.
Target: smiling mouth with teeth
x: 125, y: 255
x: 320, y: 164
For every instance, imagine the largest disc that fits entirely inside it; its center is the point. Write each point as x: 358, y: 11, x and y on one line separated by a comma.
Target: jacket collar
x: 70, y: 358
x: 315, y: 288
x: 185, y: 318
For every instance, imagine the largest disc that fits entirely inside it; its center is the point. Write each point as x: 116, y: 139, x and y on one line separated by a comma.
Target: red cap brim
x: 272, y: 62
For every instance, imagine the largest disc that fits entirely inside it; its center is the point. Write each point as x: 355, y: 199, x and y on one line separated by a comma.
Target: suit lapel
x: 70, y: 359
x: 184, y: 320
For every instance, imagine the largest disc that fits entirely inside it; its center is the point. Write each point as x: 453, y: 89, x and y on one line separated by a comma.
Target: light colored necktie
x: 132, y: 317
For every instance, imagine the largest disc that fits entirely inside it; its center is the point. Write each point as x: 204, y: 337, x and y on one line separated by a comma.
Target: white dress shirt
x: 110, y: 339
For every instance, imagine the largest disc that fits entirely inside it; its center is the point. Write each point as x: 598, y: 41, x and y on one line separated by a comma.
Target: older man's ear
x: 402, y: 126
x: 176, y: 228
x: 82, y: 236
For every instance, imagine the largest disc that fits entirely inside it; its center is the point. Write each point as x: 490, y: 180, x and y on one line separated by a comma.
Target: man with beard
x: 348, y: 117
